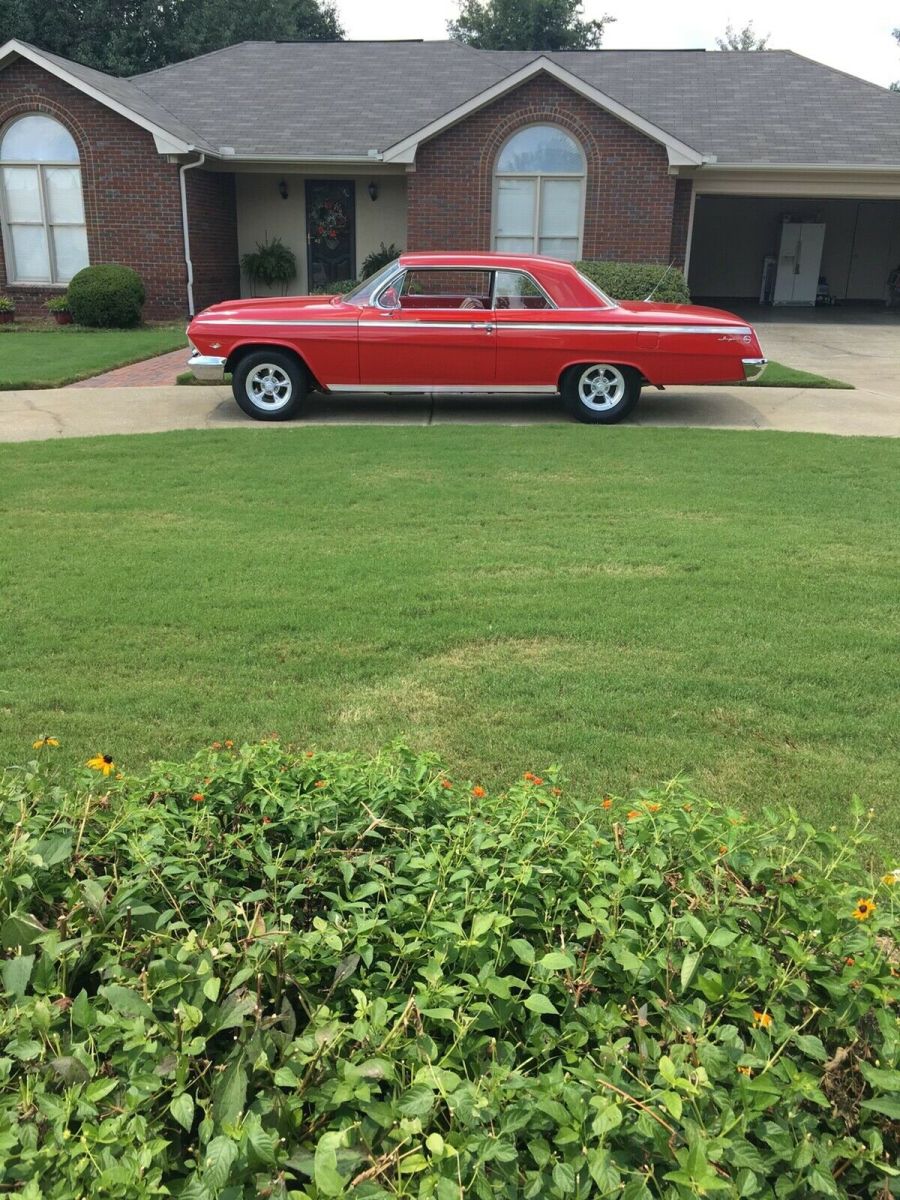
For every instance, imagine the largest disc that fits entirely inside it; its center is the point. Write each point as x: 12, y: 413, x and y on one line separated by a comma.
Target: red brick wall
x: 132, y: 201
x: 630, y: 196
x: 681, y: 215
x: 212, y: 219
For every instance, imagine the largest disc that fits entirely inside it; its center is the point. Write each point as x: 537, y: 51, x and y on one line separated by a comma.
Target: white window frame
x: 12, y: 275
x: 539, y: 178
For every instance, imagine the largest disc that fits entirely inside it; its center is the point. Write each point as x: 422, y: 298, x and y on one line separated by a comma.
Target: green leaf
x: 689, y: 968
x: 20, y: 930
x: 537, y: 1002
x: 557, y: 960
x: 524, y: 951
x: 182, y: 1109
x: 233, y: 1009
x: 720, y: 938
x: 887, y: 1080
x: 229, y: 1093
x: 16, y: 973
x: 481, y: 923
x: 217, y: 1162
x: 564, y: 1177
x: 811, y: 1046
x: 417, y: 1101
x: 325, y: 1172
x: 70, y: 1070
x: 673, y: 1104
x: 211, y: 988
x: 345, y: 969
x: 884, y: 1104
x: 125, y: 1001
x: 81, y: 1012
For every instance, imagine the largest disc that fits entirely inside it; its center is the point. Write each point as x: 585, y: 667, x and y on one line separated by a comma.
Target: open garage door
x: 733, y: 236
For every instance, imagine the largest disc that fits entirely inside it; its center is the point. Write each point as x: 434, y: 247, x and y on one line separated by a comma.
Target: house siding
x: 634, y: 212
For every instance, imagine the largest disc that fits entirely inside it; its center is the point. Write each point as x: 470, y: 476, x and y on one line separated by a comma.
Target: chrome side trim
x: 754, y: 367
x: 554, y: 327
x: 265, y: 321
x: 206, y: 367
x: 444, y: 389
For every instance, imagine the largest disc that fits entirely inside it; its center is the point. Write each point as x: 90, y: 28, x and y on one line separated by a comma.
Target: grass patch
x: 631, y: 603
x: 777, y: 374
x: 48, y: 358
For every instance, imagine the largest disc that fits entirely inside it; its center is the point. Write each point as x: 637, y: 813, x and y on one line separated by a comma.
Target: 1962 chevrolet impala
x: 477, y: 324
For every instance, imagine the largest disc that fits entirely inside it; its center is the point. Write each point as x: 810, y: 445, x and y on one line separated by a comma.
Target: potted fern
x: 7, y: 310
x: 58, y: 307
x: 272, y: 264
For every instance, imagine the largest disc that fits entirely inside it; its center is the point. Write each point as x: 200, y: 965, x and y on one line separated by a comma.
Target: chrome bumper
x: 754, y: 367
x: 209, y: 369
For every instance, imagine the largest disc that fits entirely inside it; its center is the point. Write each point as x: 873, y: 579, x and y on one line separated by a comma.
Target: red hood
x: 263, y: 305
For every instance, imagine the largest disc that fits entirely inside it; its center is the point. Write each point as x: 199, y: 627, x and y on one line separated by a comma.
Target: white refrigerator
x: 799, y: 261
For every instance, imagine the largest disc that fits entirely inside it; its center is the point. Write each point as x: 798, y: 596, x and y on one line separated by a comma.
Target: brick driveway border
x: 152, y: 372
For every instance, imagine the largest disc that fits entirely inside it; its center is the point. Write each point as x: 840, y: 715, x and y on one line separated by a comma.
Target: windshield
x: 608, y: 300
x: 362, y: 294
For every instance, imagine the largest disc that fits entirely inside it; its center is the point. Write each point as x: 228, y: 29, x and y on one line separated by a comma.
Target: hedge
x: 635, y: 281
x: 269, y: 972
x: 107, y: 296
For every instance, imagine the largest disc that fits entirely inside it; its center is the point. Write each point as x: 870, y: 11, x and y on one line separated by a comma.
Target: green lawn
x: 778, y: 375
x: 630, y: 603
x: 46, y: 358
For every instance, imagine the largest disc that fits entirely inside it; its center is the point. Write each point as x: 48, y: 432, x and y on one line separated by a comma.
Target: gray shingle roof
x: 128, y: 94
x: 307, y: 99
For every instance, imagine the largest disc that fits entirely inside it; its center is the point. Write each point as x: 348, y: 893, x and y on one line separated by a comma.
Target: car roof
x: 483, y: 259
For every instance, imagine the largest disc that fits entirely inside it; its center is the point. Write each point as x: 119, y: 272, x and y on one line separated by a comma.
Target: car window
x: 363, y: 293
x: 445, y: 289
x: 515, y: 289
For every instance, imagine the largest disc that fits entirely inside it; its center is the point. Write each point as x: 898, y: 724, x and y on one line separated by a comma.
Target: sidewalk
x: 93, y: 411
x: 152, y: 372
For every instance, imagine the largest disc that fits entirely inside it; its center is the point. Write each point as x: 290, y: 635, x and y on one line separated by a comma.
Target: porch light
x: 283, y: 189
x: 373, y: 190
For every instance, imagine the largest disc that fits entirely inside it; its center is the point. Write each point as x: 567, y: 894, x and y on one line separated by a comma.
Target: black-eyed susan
x: 864, y: 909
x: 762, y: 1020
x: 44, y: 741
x: 102, y: 763
x: 891, y: 878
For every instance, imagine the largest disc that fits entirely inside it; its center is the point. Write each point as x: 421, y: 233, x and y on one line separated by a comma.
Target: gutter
x: 188, y: 262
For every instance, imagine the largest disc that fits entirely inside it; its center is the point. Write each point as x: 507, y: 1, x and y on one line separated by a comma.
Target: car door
x: 531, y: 340
x: 432, y: 330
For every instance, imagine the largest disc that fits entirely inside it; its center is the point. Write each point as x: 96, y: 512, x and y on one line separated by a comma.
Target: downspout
x: 188, y: 262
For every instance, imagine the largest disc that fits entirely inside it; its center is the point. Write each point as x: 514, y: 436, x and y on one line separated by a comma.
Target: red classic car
x: 477, y: 324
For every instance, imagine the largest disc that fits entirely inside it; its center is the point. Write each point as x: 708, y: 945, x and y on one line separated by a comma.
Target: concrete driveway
x: 862, y: 349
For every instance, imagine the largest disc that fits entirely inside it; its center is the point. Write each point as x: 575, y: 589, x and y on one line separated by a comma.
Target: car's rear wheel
x: 269, y: 385
x: 601, y: 393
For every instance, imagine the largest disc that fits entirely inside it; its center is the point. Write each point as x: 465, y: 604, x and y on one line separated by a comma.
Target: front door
x: 330, y: 231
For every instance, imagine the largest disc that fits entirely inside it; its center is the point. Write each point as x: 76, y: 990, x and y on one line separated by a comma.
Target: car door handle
x: 488, y: 328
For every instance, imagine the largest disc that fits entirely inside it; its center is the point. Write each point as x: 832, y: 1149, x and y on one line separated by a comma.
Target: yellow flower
x: 44, y: 741
x: 762, y: 1020
x: 102, y: 763
x: 748, y: 1071
x: 891, y: 878
x: 863, y: 910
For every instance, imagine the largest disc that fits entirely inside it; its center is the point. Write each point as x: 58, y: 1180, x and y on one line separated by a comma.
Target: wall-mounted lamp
x: 373, y: 191
x: 283, y: 189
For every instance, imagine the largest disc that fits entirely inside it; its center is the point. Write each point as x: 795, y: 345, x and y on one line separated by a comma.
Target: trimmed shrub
x: 379, y: 258
x: 635, y: 281
x: 337, y: 287
x: 107, y: 296
x: 264, y: 972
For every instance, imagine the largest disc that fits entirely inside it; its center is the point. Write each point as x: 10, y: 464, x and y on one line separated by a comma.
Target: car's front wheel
x: 600, y: 393
x: 269, y: 385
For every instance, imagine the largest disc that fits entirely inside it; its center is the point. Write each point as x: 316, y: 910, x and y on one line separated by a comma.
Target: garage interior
x: 734, y: 236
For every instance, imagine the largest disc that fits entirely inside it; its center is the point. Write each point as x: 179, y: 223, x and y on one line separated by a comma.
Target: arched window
x: 42, y: 212
x: 539, y: 193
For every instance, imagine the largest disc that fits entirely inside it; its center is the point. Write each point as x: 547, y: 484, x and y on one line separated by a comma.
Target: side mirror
x: 389, y: 298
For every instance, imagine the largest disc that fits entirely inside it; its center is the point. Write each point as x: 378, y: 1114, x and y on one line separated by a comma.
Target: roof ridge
x: 838, y: 71
x: 193, y: 58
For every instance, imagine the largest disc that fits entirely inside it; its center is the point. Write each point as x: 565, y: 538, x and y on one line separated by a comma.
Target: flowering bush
x: 276, y: 973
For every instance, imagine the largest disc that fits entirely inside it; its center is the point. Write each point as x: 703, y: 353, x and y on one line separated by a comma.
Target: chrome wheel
x: 601, y: 388
x: 269, y: 387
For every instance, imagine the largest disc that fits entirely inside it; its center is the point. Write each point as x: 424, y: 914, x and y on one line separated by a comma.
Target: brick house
x: 648, y: 156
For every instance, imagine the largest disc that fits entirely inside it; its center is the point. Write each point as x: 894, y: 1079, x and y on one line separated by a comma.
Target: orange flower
x: 633, y: 814
x: 762, y: 1020
x: 653, y: 808
x: 556, y: 791
x: 748, y: 1071
x: 723, y: 849
x: 687, y: 807
x: 320, y: 783
x: 310, y: 753
x: 529, y: 776
x: 197, y: 797
x: 606, y: 802
x: 536, y: 780
x: 217, y: 745
x: 863, y: 910
x: 445, y: 783
x: 267, y: 820
x: 478, y: 792
x: 850, y: 961
x: 228, y: 744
